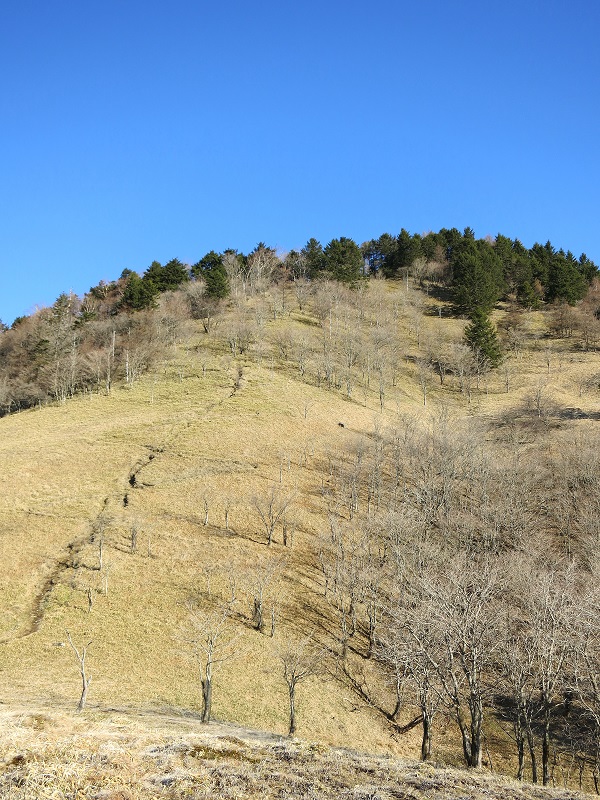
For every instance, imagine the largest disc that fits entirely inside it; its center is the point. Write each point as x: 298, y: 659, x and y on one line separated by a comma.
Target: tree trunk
x: 426, y: 740
x: 476, y: 727
x: 292, y: 729
x: 520, y: 740
x: 86, y: 685
x: 258, y: 614
x: 464, y: 734
x: 206, y: 699
x: 531, y: 745
x: 372, y: 626
x: 546, y: 750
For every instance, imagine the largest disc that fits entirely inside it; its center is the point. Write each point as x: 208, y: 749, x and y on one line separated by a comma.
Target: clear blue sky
x: 134, y: 130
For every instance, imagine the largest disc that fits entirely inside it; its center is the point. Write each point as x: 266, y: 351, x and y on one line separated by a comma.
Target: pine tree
x: 174, y: 273
x: 315, y: 260
x: 217, y: 282
x: 138, y: 293
x: 343, y: 260
x: 481, y: 337
x: 477, y: 278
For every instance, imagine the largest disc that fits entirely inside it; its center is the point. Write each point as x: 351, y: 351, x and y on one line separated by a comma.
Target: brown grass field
x: 181, y: 442
x: 117, y: 755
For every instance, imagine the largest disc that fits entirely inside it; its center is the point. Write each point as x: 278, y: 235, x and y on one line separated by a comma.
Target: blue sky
x: 134, y: 130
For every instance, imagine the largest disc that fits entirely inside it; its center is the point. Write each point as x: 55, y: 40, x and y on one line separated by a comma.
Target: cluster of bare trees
x: 470, y: 574
x: 217, y: 621
x: 53, y: 355
x: 508, y: 638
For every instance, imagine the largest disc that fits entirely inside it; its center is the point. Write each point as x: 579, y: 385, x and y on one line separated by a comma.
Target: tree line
x: 118, y: 329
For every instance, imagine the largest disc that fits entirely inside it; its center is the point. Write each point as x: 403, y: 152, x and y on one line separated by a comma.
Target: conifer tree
x: 343, y: 260
x: 217, y: 282
x: 315, y: 260
x: 138, y: 293
x: 481, y: 337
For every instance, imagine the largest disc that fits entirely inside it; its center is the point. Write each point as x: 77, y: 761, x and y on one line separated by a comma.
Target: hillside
x: 138, y: 520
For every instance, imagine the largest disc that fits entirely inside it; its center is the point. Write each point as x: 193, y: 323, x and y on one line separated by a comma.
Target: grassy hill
x: 126, y: 518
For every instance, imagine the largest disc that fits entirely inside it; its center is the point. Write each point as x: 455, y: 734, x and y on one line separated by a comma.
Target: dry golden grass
x: 117, y: 755
x: 198, y: 444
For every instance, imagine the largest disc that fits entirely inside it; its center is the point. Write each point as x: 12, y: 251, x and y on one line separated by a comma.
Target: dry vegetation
x: 113, y: 755
x: 136, y: 518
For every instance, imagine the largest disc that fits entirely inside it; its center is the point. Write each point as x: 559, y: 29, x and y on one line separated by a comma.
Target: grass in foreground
x: 121, y: 756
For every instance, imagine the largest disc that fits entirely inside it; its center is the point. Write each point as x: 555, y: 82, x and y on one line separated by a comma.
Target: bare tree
x: 85, y: 678
x: 465, y: 616
x: 302, y: 290
x: 271, y: 508
x: 299, y: 661
x: 586, y: 672
x: 518, y: 682
x: 99, y: 527
x: 424, y: 376
x: 213, y: 641
x: 552, y: 604
x: 262, y: 581
x: 261, y: 265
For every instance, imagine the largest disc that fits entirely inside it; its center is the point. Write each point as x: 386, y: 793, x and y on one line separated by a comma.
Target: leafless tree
x: 586, y: 670
x: 86, y: 679
x: 552, y: 606
x: 262, y: 581
x: 409, y: 648
x: 240, y: 333
x: 302, y: 290
x: 271, y: 508
x: 213, y: 641
x: 465, y: 619
x: 99, y: 527
x: 260, y: 268
x: 300, y: 661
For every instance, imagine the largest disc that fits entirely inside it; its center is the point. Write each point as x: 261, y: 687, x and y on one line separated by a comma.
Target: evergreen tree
x: 565, y: 281
x: 166, y: 278
x: 587, y: 268
x: 528, y: 296
x: 174, y: 273
x: 153, y: 275
x: 450, y: 239
x: 211, y: 269
x: 377, y: 251
x: 315, y: 259
x: 138, y: 293
x: 407, y: 249
x: 429, y: 245
x: 344, y: 260
x: 541, y: 259
x: 206, y: 263
x: 481, y: 337
x: 477, y: 276
x: 217, y: 282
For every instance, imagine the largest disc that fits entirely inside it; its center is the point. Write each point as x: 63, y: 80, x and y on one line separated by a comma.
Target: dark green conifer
x: 482, y: 338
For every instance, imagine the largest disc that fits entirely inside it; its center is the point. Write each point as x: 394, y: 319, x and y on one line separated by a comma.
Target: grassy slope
x: 190, y: 437
x: 63, y: 466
